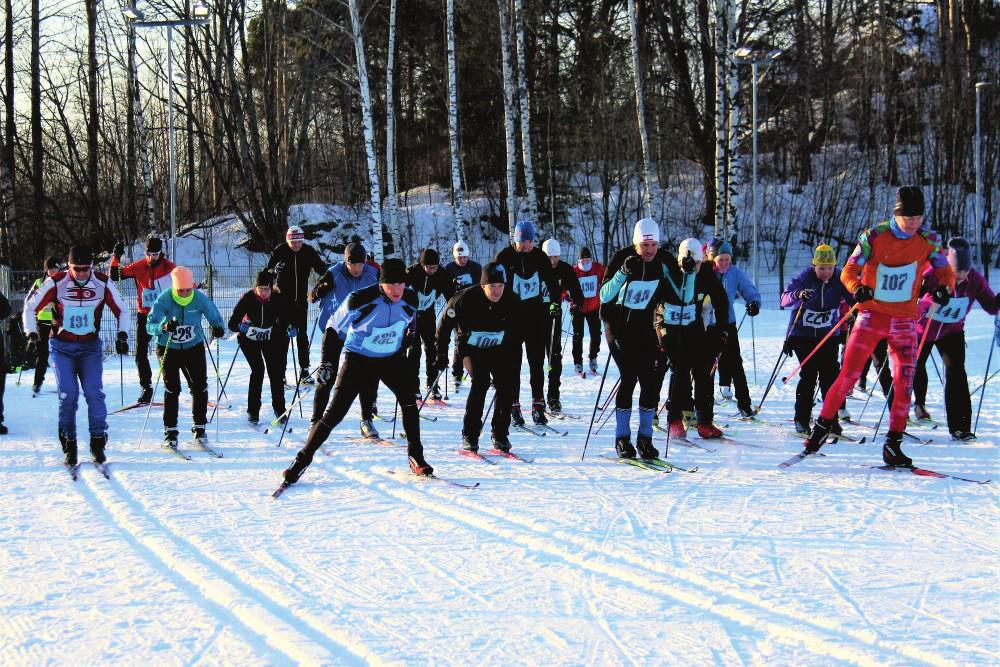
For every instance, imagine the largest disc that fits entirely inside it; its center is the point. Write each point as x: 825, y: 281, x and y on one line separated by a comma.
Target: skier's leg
x: 255, y: 359
x: 332, y: 346
x: 274, y: 358
x: 91, y: 369
x: 869, y: 329
x: 142, y: 339
x: 578, y: 338
x: 958, y: 403
x: 903, y: 349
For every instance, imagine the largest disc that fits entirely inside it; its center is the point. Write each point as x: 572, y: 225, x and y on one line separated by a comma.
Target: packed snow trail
x: 556, y: 562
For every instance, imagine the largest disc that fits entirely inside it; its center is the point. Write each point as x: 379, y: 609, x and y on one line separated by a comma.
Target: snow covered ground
x: 559, y: 561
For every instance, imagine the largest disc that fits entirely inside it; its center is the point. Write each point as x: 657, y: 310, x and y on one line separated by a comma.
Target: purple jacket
x: 951, y: 318
x: 820, y: 312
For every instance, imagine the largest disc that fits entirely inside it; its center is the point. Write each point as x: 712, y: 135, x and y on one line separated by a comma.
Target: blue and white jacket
x: 336, y: 285
x: 737, y: 283
x: 189, y: 333
x: 371, y: 324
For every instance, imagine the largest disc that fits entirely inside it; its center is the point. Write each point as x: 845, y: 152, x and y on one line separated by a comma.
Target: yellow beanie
x: 825, y: 256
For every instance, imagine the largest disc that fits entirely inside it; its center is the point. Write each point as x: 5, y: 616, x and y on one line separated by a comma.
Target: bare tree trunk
x: 525, y: 101
x: 456, y: 173
x: 734, y: 172
x: 93, y: 196
x: 37, y: 154
x: 368, y: 127
x: 508, y: 116
x: 8, y: 230
x: 130, y: 109
x: 648, y: 160
x: 390, y: 137
x: 721, y: 133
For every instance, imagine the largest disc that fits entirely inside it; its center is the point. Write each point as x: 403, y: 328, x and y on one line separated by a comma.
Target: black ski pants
x: 425, y: 335
x: 332, y: 347
x: 593, y: 321
x: 530, y: 334
x: 823, y: 367
x: 553, y: 349
x: 691, y: 357
x: 484, y: 365
x: 300, y: 319
x: 42, y: 361
x: 957, y: 402
x: 142, y: 340
x: 270, y: 355
x: 190, y: 362
x: 731, y: 370
x: 637, y: 364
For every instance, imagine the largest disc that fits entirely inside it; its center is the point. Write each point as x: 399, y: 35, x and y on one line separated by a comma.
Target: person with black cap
x: 429, y: 283
x: 375, y: 321
x: 79, y: 295
x: 333, y: 288
x: 263, y: 320
x: 947, y: 333
x: 291, y: 263
x: 44, y: 320
x: 464, y: 273
x: 526, y: 268
x: 568, y: 286
x: 152, y: 277
x: 884, y: 275
x: 5, y: 312
x: 590, y: 275
x: 483, y: 318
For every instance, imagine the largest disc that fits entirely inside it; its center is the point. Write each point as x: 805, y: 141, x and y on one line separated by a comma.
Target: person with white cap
x: 79, y: 296
x: 526, y: 269
x: 568, y: 285
x: 175, y: 322
x: 291, y: 263
x: 464, y: 273
x: 681, y: 333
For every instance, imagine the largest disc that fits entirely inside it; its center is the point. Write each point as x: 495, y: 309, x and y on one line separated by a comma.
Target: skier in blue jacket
x: 333, y: 288
x: 737, y: 284
x: 175, y: 324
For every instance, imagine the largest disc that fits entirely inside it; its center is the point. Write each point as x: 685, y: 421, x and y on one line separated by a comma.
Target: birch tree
x: 525, y: 102
x: 649, y: 169
x: 456, y: 173
x: 392, y: 210
x: 721, y: 130
x: 734, y: 171
x: 509, y: 113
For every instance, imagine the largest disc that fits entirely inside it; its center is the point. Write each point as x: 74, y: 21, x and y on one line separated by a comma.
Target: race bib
x: 817, y: 319
x: 259, y: 334
x: 526, y: 288
x: 956, y: 309
x: 78, y: 320
x: 485, y: 339
x: 425, y: 301
x: 149, y: 296
x: 384, y: 340
x: 464, y: 279
x: 183, y: 334
x: 894, y: 284
x: 679, y: 316
x: 589, y: 286
x: 638, y: 293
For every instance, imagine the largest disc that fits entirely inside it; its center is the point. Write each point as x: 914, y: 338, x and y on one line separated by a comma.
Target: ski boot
x: 305, y: 377
x: 708, y: 431
x: 727, y: 392
x: 36, y: 389
x: 920, y: 412
x: 892, y: 451
x: 516, y: 418
x: 554, y: 405
x: 199, y: 434
x: 821, y: 430
x: 293, y: 472
x: 802, y: 428
x: 469, y: 444
x: 458, y: 383
x: 843, y: 414
x: 746, y: 412
x: 593, y: 366
x: 69, y: 449
x: 623, y: 446
x: 578, y: 369
x: 434, y: 394
x: 253, y: 419
x: 368, y: 429
x: 501, y: 442
x: 644, y: 444
x: 170, y: 438
x: 965, y: 436
x: 678, y: 429
x: 4, y: 430
x: 145, y: 396
x: 538, y: 413
x: 419, y: 466
x: 97, y: 445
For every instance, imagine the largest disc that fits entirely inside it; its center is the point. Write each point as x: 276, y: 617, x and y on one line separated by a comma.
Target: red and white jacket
x: 78, y: 308
x: 590, y: 284
x: 150, y: 281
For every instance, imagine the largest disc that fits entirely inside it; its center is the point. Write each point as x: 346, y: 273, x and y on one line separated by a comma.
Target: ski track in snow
x: 560, y: 561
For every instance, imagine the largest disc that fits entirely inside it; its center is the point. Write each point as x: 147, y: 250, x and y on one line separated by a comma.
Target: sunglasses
x: 80, y: 269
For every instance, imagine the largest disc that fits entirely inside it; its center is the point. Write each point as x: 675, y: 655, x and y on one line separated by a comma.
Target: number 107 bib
x: 894, y: 284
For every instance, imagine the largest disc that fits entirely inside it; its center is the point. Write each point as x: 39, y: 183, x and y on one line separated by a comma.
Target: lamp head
x: 200, y: 10
x: 131, y: 13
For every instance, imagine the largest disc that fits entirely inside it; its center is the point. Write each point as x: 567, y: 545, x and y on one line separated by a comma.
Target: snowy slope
x: 560, y: 561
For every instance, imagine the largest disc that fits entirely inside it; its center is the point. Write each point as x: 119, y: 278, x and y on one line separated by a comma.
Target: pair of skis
x: 74, y: 470
x: 653, y: 465
x: 174, y: 451
x: 916, y: 470
x: 476, y: 456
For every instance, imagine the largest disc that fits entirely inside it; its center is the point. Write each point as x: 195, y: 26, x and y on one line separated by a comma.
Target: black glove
x: 753, y: 309
x: 786, y: 349
x: 804, y: 294
x: 688, y: 265
x: 864, y: 293
x: 723, y: 337
x: 996, y: 304
x: 118, y: 250
x: 121, y: 343
x: 325, y: 373
x: 574, y: 308
x: 170, y: 326
x: 442, y: 363
x: 632, y: 266
x: 32, y: 345
x: 940, y: 295
x: 218, y: 332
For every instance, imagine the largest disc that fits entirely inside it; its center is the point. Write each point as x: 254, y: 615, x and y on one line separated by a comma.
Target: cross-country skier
x: 376, y: 320
x: 291, y: 263
x: 483, y: 316
x: 526, y: 268
x: 947, y: 332
x: 175, y: 321
x: 590, y: 275
x: 263, y: 319
x: 429, y: 283
x: 464, y: 273
x: 5, y: 312
x: 334, y: 287
x: 79, y: 295
x: 152, y: 277
x: 815, y: 297
x: 44, y: 320
x: 737, y: 284
x: 681, y: 333
x: 565, y: 277
x: 884, y: 275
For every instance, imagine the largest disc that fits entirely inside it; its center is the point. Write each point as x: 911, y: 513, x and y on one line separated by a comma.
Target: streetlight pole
x: 979, y: 178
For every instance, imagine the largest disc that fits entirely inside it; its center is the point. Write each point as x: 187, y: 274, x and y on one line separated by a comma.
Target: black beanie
x: 354, y: 253
x: 909, y: 201
x: 429, y: 257
x: 80, y: 255
x: 585, y: 253
x: 154, y: 244
x: 492, y: 273
x: 393, y: 271
x: 52, y: 263
x: 264, y: 279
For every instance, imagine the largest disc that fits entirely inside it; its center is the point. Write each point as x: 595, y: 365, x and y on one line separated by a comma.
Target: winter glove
x: 804, y: 294
x: 940, y: 295
x: 118, y: 250
x: 996, y: 304
x: 864, y: 293
x: 293, y: 331
x: 218, y: 332
x: 244, y: 327
x: 723, y: 337
x: 31, y: 346
x: 313, y: 296
x: 325, y: 373
x: 121, y: 343
x: 554, y: 309
x: 574, y: 308
x: 786, y: 349
x: 169, y: 326
x: 753, y: 308
x: 632, y: 266
x: 688, y: 265
x: 442, y: 363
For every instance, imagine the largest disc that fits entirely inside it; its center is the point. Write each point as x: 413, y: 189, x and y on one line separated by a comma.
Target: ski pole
x: 20, y: 369
x: 827, y: 337
x: 874, y: 384
x: 159, y: 373
x: 395, y: 414
x: 423, y: 401
x: 607, y: 401
x: 291, y: 406
x: 489, y: 409
x: 753, y: 346
x: 741, y: 323
x: 978, y: 387
x: 215, y: 365
x: 936, y: 369
x: 989, y: 360
x: 218, y: 385
x: 885, y: 406
x: 782, y: 357
x: 121, y: 376
x: 226, y: 381
x: 596, y: 402
x: 295, y: 399
x: 670, y: 392
x: 293, y: 344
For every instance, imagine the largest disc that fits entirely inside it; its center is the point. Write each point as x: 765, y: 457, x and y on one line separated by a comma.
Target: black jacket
x: 275, y: 314
x: 526, y: 271
x: 476, y: 317
x: 464, y: 276
x: 429, y: 288
x: 292, y: 270
x: 678, y: 317
x: 568, y: 282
